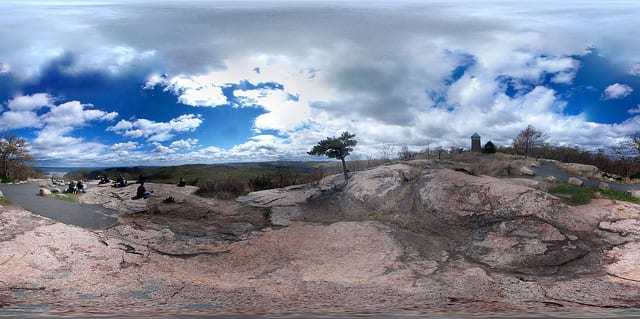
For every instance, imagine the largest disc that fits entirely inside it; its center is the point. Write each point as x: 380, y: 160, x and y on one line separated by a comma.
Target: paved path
x: 83, y: 215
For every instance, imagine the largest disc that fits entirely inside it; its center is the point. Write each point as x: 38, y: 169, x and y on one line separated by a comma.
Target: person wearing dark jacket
x: 141, y: 192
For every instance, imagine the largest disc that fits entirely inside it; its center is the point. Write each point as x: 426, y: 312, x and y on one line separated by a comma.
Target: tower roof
x: 475, y: 135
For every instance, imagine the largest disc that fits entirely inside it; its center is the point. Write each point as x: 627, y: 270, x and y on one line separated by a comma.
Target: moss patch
x: 580, y: 195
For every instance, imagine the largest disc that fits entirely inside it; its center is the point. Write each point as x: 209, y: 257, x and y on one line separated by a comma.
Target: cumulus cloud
x: 617, y: 91
x: 635, y: 69
x: 157, y: 131
x: 635, y: 110
x: 30, y: 102
x: 183, y: 145
x: 126, y: 146
x: 75, y: 114
x: 4, y: 68
x: 19, y: 119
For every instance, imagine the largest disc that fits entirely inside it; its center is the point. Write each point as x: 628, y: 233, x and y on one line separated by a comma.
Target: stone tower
x: 476, y: 145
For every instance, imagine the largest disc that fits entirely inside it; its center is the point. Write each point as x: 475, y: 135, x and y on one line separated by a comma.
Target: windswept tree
x: 527, y: 140
x: 336, y: 147
x: 14, y: 154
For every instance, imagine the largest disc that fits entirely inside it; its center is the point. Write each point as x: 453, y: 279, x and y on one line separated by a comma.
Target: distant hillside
x: 280, y: 173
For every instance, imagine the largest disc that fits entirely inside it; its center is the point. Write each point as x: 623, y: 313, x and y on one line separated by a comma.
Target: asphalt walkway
x: 550, y: 169
x: 83, y: 215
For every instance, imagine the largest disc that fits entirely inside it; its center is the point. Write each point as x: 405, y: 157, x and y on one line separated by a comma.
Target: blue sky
x: 110, y: 83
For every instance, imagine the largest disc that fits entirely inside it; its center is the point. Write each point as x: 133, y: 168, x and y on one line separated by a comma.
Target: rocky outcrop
x: 486, y: 227
x: 582, y: 170
x: 500, y: 223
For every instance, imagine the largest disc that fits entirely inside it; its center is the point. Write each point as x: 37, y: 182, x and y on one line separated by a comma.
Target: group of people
x: 74, y: 187
x: 141, y: 192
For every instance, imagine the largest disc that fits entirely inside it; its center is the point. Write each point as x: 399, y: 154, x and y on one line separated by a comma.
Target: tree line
x: 622, y: 159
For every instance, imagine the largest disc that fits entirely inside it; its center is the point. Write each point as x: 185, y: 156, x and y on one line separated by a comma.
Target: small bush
x: 169, y: 200
x: 226, y: 189
x: 5, y: 179
x: 260, y: 182
x: 64, y: 196
x: 4, y: 201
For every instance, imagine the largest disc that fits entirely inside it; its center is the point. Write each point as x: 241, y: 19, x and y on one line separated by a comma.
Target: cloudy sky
x: 141, y: 82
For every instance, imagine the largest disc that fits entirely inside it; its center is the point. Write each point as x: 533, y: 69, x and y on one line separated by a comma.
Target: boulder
x: 551, y: 179
x: 634, y: 192
x: 44, y: 192
x: 575, y: 181
x: 534, y: 164
x: 56, y: 190
x: 1, y: 194
x: 526, y: 171
x: 603, y: 186
x: 582, y: 170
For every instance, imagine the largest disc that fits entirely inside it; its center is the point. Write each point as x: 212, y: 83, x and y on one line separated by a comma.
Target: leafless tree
x: 528, y: 139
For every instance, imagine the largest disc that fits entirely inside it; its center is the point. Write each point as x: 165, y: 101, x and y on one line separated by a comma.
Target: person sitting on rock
x: 182, y: 183
x: 80, y: 187
x: 104, y: 180
x: 142, y: 192
x: 72, y: 187
x: 120, y: 182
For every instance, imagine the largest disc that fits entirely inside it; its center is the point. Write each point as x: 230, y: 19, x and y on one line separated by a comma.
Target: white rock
x: 634, y: 192
x: 526, y: 171
x: 551, y: 179
x: 44, y: 192
x: 575, y: 181
x: 603, y: 186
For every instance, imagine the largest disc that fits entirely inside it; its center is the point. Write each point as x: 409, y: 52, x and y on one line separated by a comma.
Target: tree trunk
x: 344, y: 169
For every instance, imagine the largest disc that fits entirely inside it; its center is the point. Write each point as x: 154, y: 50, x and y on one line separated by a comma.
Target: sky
x: 167, y: 82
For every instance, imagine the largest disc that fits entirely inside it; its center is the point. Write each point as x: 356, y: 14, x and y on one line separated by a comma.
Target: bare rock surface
x: 582, y: 170
x: 402, y: 239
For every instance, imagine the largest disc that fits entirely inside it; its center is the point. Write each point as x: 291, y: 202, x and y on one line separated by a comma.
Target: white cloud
x: 126, y: 146
x: 157, y: 131
x: 30, y: 102
x: 159, y: 148
x: 74, y: 114
x: 635, y: 69
x: 4, y: 68
x: 19, y: 119
x: 183, y: 145
x: 617, y: 91
x: 635, y: 110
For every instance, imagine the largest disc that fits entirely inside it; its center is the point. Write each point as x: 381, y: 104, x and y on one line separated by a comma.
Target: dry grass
x: 493, y: 164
